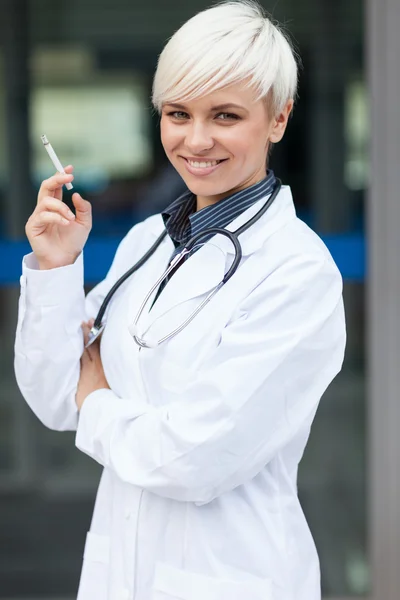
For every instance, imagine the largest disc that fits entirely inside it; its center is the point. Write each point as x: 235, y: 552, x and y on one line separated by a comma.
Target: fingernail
x: 71, y: 214
x: 65, y: 221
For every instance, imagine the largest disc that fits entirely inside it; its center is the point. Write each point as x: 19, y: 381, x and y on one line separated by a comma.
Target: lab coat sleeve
x: 49, y: 339
x: 258, y: 389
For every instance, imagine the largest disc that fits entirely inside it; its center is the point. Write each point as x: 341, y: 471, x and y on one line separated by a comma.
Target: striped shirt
x: 182, y: 221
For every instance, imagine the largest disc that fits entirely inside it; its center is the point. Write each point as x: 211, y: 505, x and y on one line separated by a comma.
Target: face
x: 219, y: 143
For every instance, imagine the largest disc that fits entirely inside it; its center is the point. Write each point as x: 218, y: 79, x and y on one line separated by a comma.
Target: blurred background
x: 81, y: 72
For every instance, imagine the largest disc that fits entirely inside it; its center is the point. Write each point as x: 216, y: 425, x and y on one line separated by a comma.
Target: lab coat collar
x: 205, y: 269
x: 281, y: 211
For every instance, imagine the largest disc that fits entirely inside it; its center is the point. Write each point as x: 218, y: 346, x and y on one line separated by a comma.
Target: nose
x: 198, y: 138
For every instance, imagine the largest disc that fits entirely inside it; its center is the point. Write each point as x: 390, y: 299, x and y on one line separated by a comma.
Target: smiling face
x: 219, y: 143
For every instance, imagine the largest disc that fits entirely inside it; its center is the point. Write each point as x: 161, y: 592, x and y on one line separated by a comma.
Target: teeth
x: 203, y: 165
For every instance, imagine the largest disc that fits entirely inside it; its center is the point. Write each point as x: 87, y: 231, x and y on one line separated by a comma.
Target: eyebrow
x: 226, y: 106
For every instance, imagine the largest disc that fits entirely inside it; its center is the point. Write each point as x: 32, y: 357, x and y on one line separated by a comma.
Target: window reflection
x: 357, y: 135
x: 101, y: 129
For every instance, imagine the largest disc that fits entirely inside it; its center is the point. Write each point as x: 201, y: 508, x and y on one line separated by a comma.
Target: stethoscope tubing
x: 143, y: 344
x: 233, y: 236
x: 98, y: 327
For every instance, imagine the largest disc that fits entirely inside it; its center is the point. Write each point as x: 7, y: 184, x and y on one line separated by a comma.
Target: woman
x: 200, y: 436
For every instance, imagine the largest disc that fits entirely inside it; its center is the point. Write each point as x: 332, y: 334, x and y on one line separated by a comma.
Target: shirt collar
x: 182, y: 221
x: 176, y: 217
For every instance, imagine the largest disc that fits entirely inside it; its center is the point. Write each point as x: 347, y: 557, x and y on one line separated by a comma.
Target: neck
x: 203, y: 201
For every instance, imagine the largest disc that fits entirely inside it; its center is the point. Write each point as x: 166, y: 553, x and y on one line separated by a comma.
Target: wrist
x: 46, y: 265
x: 81, y: 397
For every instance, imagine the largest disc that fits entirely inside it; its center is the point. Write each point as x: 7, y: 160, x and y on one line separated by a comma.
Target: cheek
x: 248, y: 142
x: 258, y: 135
x: 164, y: 135
x: 169, y: 136
x: 258, y: 150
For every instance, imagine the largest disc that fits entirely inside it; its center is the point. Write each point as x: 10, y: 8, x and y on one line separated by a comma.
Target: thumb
x: 83, y: 209
x: 86, y: 330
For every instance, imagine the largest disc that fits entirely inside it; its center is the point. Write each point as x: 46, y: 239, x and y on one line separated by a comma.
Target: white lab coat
x: 200, y: 438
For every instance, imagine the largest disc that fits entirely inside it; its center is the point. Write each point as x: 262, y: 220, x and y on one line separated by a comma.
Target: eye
x: 178, y: 114
x: 227, y: 117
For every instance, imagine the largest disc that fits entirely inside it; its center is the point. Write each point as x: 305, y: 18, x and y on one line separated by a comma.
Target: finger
x: 92, y: 350
x: 56, y: 181
x: 86, y: 330
x: 49, y: 218
x: 86, y: 357
x: 54, y: 205
x: 83, y: 210
x: 53, y: 186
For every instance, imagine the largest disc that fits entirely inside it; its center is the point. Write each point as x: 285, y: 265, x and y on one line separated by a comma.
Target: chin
x: 204, y: 189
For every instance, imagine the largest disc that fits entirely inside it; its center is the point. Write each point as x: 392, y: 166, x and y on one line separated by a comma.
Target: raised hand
x: 56, y: 235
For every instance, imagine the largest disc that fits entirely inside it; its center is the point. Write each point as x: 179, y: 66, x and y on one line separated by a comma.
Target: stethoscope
x: 233, y: 236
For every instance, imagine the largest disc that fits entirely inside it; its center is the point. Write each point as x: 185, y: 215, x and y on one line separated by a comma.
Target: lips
x: 202, y: 167
x: 203, y: 164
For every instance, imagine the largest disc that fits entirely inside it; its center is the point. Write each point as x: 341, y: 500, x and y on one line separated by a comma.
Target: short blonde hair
x: 229, y: 43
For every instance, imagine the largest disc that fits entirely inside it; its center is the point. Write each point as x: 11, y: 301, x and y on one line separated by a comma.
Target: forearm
x: 256, y: 391
x: 49, y: 341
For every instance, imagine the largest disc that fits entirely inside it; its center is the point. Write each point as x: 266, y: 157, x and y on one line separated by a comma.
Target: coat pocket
x: 171, y: 583
x: 94, y: 577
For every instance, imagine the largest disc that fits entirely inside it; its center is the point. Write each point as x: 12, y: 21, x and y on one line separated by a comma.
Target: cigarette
x: 54, y: 159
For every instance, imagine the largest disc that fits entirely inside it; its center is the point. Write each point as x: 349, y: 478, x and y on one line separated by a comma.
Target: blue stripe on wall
x: 347, y: 250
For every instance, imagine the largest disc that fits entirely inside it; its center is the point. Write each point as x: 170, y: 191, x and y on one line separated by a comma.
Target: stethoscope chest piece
x: 94, y: 333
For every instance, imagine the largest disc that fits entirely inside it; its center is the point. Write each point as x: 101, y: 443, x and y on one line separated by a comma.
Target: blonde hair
x: 229, y: 43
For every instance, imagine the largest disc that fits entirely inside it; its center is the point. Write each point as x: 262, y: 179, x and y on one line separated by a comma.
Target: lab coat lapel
x: 277, y: 215
x: 205, y: 269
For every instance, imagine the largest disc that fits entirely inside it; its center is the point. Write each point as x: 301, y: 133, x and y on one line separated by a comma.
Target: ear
x: 280, y: 123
